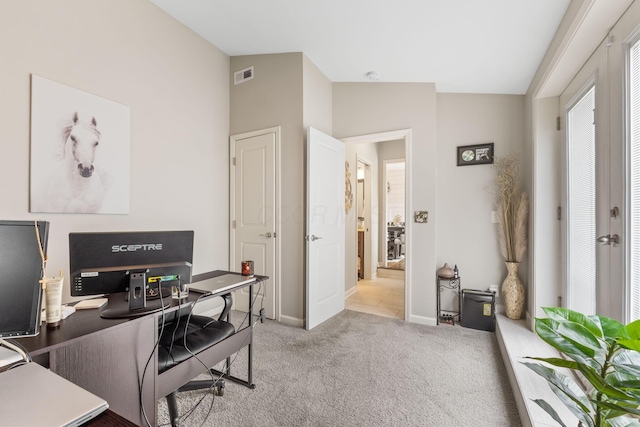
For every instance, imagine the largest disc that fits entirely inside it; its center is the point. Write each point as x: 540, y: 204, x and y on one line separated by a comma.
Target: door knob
x: 612, y: 239
x: 268, y: 234
x: 313, y: 238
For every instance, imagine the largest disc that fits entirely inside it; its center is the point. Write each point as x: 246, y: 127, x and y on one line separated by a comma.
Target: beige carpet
x: 358, y: 369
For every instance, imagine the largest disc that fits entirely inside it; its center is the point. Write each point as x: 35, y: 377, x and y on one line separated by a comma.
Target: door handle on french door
x: 612, y: 239
x: 268, y: 234
x: 313, y: 238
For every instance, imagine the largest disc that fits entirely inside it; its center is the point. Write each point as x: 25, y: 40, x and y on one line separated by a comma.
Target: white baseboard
x: 422, y: 320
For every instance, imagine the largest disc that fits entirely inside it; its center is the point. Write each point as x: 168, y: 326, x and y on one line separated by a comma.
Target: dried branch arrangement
x: 512, y: 207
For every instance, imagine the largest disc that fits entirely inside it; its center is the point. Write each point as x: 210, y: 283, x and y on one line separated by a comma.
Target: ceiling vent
x: 243, y: 75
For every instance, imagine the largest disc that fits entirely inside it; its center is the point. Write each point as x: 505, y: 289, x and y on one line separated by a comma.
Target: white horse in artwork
x: 75, y: 185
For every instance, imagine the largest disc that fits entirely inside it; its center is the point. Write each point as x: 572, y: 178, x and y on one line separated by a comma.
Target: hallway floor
x: 383, y: 296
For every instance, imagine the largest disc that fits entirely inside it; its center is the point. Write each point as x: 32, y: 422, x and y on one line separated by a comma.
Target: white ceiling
x: 465, y: 46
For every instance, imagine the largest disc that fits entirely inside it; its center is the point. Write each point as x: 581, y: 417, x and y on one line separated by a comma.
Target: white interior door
x: 254, y: 201
x: 325, y: 228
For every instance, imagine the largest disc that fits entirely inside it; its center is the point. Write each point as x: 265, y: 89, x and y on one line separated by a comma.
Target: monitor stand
x: 118, y: 308
x: 138, y: 305
x: 152, y: 293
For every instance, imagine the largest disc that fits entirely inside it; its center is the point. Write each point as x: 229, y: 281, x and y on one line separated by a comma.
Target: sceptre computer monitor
x: 130, y: 267
x: 23, y: 248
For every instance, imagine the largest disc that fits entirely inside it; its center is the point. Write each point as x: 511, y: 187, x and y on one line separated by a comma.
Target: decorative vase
x: 513, y: 292
x: 445, y: 271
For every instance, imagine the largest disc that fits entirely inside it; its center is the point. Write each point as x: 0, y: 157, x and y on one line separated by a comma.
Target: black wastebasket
x: 478, y: 310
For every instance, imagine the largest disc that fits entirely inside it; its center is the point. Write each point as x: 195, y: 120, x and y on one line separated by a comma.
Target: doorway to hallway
x: 374, y: 150
x: 382, y: 296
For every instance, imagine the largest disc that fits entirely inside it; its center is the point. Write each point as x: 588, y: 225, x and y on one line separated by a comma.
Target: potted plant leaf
x: 607, y: 355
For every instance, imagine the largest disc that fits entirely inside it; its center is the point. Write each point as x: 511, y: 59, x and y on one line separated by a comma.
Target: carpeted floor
x: 358, y: 369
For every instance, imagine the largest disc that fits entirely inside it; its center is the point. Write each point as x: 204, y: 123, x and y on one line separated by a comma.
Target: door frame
x: 405, y: 135
x: 277, y: 209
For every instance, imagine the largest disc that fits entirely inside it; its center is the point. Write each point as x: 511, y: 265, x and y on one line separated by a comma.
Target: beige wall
x: 368, y: 108
x: 466, y: 236
x: 459, y: 199
x: 316, y: 98
x: 288, y: 91
x: 275, y: 98
x: 184, y: 107
x: 176, y: 85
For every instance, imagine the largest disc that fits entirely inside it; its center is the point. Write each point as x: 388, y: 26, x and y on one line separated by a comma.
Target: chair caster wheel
x: 219, y: 388
x: 220, y: 391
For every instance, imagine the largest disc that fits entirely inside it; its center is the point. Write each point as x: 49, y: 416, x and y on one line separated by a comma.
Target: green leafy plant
x: 606, y: 353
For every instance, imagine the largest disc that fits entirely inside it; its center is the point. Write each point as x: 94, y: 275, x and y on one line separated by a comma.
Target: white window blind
x: 633, y: 183
x: 581, y: 209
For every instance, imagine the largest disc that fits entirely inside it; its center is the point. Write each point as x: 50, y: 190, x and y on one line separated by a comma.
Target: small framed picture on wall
x: 479, y: 154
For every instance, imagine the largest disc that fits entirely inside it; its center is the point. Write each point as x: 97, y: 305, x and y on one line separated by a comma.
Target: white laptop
x: 31, y: 395
x: 8, y: 356
x: 220, y: 284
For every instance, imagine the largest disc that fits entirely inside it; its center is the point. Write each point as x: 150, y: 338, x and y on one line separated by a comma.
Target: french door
x: 588, y: 192
x: 601, y: 191
x: 633, y: 180
x: 624, y: 210
x: 583, y: 194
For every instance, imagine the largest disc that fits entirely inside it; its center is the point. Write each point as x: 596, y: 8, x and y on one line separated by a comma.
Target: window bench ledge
x: 516, y: 341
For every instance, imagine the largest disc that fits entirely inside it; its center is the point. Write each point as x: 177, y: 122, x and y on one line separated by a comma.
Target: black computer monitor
x: 23, y: 244
x: 129, y: 267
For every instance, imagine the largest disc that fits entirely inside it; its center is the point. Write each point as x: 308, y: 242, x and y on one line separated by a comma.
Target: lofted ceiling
x: 464, y: 46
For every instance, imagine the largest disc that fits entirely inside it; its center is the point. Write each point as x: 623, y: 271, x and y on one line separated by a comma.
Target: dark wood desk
x: 116, y: 358
x: 109, y: 419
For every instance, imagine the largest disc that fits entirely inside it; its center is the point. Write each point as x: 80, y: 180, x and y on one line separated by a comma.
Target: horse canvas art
x: 80, y: 151
x: 75, y: 186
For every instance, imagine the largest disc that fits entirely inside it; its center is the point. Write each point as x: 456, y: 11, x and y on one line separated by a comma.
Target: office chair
x: 200, y: 333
